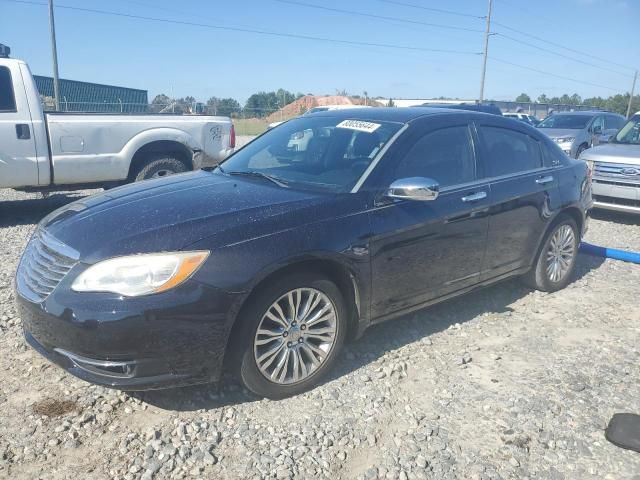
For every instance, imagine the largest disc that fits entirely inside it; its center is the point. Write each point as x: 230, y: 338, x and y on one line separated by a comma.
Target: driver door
x: 422, y: 250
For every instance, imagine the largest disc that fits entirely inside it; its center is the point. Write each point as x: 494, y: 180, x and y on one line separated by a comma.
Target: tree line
x: 260, y: 104
x: 615, y: 103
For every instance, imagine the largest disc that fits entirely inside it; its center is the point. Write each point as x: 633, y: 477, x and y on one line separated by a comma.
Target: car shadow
x: 376, y: 342
x: 33, y: 207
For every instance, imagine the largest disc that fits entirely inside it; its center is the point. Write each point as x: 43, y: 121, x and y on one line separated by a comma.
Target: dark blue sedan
x: 301, y: 240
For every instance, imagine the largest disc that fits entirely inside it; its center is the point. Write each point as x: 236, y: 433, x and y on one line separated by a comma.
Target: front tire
x: 294, y: 332
x: 581, y: 149
x: 556, y: 259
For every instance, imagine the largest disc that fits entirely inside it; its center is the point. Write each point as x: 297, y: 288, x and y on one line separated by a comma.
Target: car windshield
x: 317, y: 153
x: 571, y: 122
x: 630, y: 133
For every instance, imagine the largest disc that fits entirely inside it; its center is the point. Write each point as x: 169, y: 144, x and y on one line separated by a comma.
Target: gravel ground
x: 504, y: 383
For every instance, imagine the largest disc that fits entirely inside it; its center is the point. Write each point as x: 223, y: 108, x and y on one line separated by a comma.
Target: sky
x: 186, y: 59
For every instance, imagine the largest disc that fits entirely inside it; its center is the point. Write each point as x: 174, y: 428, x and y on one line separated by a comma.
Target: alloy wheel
x: 295, y: 336
x: 560, y: 253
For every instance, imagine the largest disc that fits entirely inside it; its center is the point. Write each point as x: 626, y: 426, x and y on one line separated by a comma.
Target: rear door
x: 423, y: 250
x: 523, y: 190
x: 18, y: 158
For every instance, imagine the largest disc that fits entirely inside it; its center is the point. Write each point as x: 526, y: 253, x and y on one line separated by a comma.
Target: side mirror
x: 597, y: 130
x: 415, y: 188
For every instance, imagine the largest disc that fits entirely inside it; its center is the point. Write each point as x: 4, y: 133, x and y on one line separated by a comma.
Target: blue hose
x: 610, y: 253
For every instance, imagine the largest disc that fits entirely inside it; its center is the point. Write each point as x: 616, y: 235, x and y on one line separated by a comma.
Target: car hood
x: 614, y: 153
x: 171, y: 214
x: 560, y: 132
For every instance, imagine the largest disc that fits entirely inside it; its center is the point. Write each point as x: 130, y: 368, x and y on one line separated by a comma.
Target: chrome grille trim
x: 615, y: 171
x: 44, y: 263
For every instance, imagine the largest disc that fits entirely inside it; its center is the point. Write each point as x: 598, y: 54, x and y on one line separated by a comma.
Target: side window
x: 510, y: 151
x: 7, y: 98
x: 598, y: 122
x: 614, y: 123
x: 445, y: 155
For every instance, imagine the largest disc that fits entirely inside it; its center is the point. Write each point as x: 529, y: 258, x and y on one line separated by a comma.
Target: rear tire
x: 556, y: 259
x: 158, y: 166
x: 296, y: 343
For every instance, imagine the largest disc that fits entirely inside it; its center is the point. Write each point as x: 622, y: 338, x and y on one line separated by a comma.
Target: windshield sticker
x: 359, y: 125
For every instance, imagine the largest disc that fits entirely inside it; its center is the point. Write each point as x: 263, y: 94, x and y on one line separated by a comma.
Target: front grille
x: 617, y: 172
x: 44, y: 264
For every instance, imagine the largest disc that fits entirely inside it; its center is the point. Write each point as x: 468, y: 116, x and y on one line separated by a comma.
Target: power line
x: 247, y: 30
x: 551, y: 74
x: 378, y: 17
x: 431, y: 9
x: 552, y: 52
x: 558, y: 45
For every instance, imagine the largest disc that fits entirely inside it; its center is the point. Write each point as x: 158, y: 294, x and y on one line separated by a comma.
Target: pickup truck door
x: 18, y: 155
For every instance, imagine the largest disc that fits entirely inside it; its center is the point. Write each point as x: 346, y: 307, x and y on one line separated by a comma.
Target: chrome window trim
x: 376, y: 160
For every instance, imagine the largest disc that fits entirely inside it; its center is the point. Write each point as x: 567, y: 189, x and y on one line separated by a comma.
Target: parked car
x: 474, y: 107
x: 49, y: 151
x: 616, y: 170
x: 267, y: 264
x: 523, y: 117
x: 574, y: 132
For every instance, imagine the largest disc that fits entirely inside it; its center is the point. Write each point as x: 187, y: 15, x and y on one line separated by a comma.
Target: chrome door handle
x: 474, y: 197
x: 544, y: 180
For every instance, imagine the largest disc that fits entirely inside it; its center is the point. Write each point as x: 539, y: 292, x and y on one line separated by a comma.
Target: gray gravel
x: 504, y: 383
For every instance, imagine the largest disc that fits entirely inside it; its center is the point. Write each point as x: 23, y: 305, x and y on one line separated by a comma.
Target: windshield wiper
x: 271, y: 178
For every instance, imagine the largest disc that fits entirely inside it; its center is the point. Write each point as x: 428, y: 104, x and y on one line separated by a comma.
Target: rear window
x: 510, y: 151
x: 7, y: 98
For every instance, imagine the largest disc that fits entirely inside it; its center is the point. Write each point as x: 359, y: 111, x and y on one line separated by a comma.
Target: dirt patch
x: 52, y: 407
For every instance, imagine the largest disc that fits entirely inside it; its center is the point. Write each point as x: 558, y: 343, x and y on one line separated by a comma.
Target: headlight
x: 136, y: 275
x: 565, y: 139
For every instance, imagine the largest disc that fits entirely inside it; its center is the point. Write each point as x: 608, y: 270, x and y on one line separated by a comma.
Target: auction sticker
x: 359, y: 125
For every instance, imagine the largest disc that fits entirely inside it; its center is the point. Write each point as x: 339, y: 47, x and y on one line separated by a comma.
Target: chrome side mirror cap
x: 419, y: 189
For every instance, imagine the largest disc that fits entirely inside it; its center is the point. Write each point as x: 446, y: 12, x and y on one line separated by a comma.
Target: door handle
x: 474, y: 197
x: 22, y: 131
x: 544, y: 180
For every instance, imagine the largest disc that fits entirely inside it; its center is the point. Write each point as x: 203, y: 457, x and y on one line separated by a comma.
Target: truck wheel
x: 556, y: 259
x: 159, y: 166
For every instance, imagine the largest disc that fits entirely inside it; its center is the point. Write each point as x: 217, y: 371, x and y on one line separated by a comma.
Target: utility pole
x: 487, y: 33
x: 633, y: 88
x: 54, y: 53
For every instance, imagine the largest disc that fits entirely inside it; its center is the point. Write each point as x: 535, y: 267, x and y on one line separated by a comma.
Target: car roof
x: 588, y: 113
x: 394, y: 114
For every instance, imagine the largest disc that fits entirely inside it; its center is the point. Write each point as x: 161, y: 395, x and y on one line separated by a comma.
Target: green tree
x: 543, y: 98
x: 390, y: 103
x: 159, y: 102
x: 523, y: 98
x: 262, y: 104
x: 225, y: 107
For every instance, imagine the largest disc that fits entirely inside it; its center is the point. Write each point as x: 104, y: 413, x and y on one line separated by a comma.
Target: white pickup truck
x: 65, y: 151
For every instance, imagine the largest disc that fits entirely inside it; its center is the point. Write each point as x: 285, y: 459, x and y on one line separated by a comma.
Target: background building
x: 92, y: 97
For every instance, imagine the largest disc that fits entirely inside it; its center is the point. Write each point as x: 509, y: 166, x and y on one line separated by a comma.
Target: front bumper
x: 167, y: 340
x: 616, y: 196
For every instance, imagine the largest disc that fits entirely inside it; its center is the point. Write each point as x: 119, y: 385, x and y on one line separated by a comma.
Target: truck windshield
x: 317, y: 153
x: 630, y: 133
x: 570, y: 122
